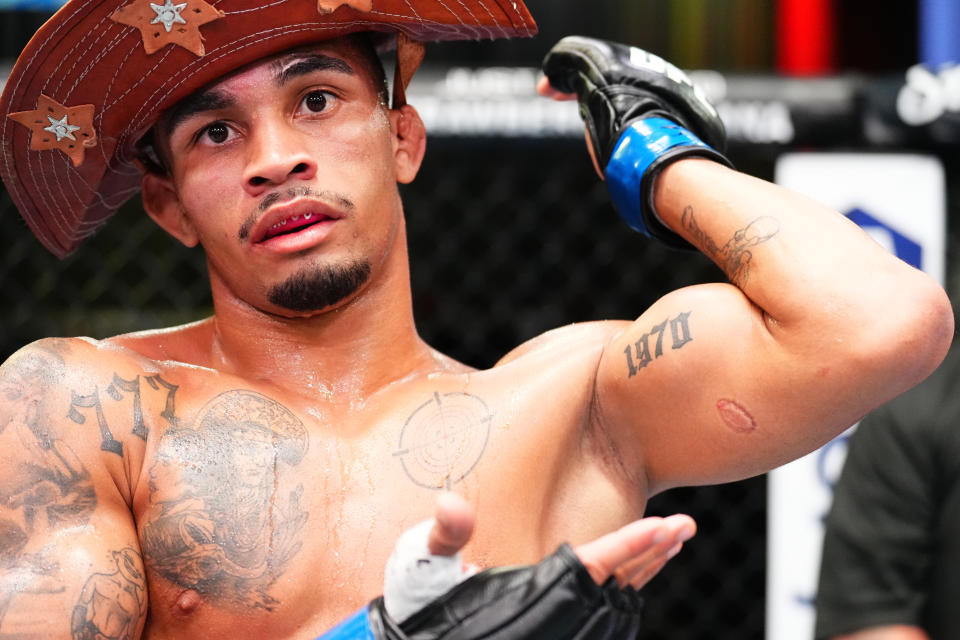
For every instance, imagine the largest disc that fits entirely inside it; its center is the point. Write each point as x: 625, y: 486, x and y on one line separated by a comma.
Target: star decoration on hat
x: 55, y: 126
x: 329, y: 6
x: 61, y: 128
x: 168, y: 23
x: 168, y: 14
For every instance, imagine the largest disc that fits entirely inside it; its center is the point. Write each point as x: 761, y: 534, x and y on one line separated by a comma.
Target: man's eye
x: 316, y: 101
x: 217, y: 132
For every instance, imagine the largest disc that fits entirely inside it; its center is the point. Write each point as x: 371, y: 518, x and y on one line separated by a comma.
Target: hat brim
x: 80, y: 57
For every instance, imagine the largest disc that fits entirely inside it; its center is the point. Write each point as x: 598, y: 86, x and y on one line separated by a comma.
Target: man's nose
x: 276, y: 153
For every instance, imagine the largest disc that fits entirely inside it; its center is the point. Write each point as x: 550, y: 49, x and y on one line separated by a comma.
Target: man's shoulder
x: 59, y: 357
x: 51, y: 358
x: 581, y: 337
x: 47, y: 389
x: 55, y: 374
x: 185, y: 343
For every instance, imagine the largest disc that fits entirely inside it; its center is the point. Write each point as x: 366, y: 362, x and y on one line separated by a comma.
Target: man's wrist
x: 356, y: 627
x: 645, y: 149
x: 641, y: 147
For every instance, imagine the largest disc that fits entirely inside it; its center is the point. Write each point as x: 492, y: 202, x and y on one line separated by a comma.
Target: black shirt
x: 891, y: 552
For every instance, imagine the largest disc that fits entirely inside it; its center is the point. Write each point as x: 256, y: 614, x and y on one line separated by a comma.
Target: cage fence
x: 508, y: 238
x: 503, y: 247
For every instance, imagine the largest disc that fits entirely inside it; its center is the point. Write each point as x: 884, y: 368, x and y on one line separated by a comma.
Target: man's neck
x: 355, y: 349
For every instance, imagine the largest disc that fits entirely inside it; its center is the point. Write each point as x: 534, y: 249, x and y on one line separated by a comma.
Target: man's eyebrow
x: 308, y: 63
x: 199, y: 102
x: 211, y: 99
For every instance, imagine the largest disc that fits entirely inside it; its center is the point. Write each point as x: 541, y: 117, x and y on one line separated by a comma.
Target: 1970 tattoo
x: 228, y: 522
x: 649, y: 346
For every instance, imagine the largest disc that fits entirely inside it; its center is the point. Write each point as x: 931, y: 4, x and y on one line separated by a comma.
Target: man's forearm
x: 807, y: 267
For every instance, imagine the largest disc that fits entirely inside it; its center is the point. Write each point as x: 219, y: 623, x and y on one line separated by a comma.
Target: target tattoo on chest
x: 443, y: 439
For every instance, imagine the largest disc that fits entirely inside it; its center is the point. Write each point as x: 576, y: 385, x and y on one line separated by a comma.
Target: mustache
x: 331, y: 198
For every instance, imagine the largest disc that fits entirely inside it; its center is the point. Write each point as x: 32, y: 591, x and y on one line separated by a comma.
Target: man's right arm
x: 70, y: 562
x: 818, y: 325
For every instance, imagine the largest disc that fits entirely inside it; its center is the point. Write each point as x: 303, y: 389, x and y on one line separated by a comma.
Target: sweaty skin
x: 260, y: 464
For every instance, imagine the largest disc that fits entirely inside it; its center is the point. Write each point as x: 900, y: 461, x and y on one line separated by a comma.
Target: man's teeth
x: 283, y: 223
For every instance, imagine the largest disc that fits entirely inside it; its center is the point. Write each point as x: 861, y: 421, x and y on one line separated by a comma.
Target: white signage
x: 927, y: 95
x: 900, y: 200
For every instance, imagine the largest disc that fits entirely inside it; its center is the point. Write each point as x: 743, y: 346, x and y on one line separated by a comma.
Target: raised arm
x: 70, y: 563
x: 823, y: 326
x: 818, y: 325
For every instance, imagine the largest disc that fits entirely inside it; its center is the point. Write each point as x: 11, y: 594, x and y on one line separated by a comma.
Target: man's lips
x: 291, y: 218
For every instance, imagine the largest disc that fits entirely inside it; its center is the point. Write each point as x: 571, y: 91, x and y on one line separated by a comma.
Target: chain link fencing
x: 507, y: 239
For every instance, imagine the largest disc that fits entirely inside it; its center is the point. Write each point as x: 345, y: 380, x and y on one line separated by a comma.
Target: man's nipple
x: 188, y: 602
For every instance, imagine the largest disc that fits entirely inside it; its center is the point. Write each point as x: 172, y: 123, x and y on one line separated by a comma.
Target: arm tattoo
x: 229, y: 522
x: 47, y: 488
x: 92, y: 401
x: 649, y: 346
x: 111, y: 604
x: 115, y: 390
x: 443, y: 439
x: 25, y: 575
x: 52, y: 487
x: 734, y: 257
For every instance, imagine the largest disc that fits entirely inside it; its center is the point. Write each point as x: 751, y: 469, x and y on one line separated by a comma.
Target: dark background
x: 508, y: 238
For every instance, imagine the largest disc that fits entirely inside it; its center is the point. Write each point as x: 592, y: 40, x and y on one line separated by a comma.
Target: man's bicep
x: 80, y: 581
x: 699, y: 390
x: 69, y: 559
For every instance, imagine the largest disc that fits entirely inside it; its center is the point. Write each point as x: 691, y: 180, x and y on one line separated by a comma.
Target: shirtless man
x: 263, y: 461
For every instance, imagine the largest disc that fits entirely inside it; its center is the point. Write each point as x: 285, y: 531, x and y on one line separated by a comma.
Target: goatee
x: 316, y: 288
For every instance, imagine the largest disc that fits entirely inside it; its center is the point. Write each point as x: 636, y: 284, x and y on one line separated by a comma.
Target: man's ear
x: 410, y: 142
x: 161, y: 203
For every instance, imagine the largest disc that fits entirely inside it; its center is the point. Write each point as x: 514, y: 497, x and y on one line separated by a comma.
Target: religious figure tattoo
x: 111, y: 605
x: 228, y: 522
x: 443, y: 439
x: 735, y: 256
x: 649, y: 346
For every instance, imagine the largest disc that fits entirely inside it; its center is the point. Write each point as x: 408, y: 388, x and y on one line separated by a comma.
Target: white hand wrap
x: 414, y: 577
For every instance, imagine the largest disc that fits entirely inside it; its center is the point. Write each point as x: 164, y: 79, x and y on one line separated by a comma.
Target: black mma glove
x: 555, y: 599
x: 641, y: 113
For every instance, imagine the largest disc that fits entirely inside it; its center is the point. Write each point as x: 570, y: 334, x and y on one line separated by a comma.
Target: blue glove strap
x: 641, y: 145
x: 356, y: 627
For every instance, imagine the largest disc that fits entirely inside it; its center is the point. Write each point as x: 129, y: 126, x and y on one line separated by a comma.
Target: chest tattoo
x: 228, y: 518
x: 443, y: 439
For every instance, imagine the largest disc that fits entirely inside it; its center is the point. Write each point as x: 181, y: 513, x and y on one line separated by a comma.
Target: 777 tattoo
x: 650, y: 345
x: 116, y: 391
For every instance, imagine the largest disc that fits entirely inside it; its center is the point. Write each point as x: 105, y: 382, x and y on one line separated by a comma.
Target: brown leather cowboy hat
x: 96, y: 76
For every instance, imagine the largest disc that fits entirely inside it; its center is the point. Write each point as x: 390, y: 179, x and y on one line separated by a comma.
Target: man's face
x: 286, y: 172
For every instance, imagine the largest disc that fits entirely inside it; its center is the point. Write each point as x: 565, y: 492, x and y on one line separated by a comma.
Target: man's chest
x: 287, y: 509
